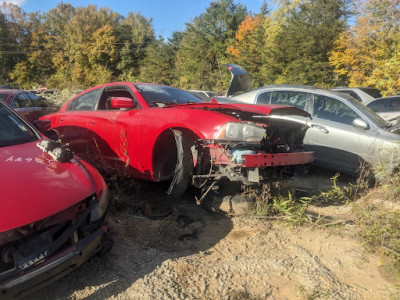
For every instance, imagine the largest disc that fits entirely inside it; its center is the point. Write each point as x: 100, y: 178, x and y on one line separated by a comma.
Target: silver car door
x: 336, y: 142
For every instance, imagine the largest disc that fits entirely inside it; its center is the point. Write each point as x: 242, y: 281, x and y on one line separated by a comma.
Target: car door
x: 299, y: 99
x: 336, y: 142
x: 111, y: 132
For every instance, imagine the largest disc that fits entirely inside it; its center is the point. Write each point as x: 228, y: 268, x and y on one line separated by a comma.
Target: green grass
x: 377, y: 222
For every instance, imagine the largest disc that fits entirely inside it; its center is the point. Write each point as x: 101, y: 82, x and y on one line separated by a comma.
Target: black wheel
x: 178, y: 163
x: 184, y: 165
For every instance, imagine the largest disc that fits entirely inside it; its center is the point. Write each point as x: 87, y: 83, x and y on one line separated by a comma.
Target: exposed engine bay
x: 279, y: 149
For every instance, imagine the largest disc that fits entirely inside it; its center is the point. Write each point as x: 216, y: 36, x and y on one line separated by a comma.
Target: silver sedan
x: 343, y: 132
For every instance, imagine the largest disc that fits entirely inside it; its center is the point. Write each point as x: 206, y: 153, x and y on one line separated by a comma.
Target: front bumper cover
x: 53, y: 268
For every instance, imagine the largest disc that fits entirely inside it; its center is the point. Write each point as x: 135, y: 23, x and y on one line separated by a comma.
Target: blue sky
x: 168, y: 15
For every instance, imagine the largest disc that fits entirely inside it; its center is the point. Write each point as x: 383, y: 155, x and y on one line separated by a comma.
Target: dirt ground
x: 198, y: 254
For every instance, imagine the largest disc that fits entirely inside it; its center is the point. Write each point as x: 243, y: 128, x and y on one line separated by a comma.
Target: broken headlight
x: 101, y: 206
x: 240, y: 132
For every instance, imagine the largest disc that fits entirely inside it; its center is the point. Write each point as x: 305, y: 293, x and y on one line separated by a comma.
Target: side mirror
x: 360, y: 123
x: 42, y: 125
x: 123, y: 102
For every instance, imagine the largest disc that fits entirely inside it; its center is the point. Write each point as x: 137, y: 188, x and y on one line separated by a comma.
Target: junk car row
x: 162, y: 134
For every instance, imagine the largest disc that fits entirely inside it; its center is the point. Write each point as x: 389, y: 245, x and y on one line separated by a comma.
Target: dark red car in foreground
x: 27, y: 104
x: 52, y: 209
x: 160, y: 133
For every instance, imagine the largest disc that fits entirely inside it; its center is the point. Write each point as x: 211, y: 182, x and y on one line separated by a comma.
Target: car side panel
x: 339, y: 146
x: 112, y: 138
x: 153, y: 122
x: 71, y: 128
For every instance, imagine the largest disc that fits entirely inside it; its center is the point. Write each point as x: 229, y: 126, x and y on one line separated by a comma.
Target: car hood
x: 34, y: 186
x: 243, y: 110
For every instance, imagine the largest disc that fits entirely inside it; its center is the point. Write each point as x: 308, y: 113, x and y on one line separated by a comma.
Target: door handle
x: 91, y: 123
x: 320, y: 128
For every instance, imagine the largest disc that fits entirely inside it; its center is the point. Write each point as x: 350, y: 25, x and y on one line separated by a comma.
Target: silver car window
x: 379, y: 105
x: 368, y: 113
x: 292, y: 98
x: 331, y: 109
x: 395, y: 104
x: 264, y: 98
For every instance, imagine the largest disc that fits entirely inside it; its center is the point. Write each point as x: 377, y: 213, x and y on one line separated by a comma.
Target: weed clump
x: 378, y: 222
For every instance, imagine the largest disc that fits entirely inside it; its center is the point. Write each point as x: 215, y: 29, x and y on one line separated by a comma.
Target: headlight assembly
x: 240, y: 132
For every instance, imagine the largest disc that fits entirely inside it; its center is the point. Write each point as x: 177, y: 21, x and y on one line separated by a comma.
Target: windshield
x: 13, y: 130
x: 161, y: 95
x: 372, y: 92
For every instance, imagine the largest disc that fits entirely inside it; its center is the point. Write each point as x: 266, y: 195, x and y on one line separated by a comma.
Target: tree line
x: 323, y: 43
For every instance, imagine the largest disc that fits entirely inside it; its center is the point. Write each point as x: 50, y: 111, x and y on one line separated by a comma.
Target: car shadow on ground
x: 140, y: 246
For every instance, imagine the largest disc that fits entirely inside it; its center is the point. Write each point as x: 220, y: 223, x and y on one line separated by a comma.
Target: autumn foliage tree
x: 135, y: 34
x: 305, y: 37
x: 299, y: 41
x: 202, y: 52
x: 247, y: 50
x: 369, y: 53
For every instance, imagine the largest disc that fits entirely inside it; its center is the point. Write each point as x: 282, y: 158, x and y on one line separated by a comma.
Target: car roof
x: 10, y: 91
x: 388, y: 97
x: 291, y: 86
x: 305, y: 88
x: 354, y: 88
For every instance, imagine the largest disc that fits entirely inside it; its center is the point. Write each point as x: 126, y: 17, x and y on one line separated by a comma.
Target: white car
x: 387, y: 107
x: 362, y: 94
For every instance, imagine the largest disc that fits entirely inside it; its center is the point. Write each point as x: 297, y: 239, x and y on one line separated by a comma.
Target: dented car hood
x: 34, y: 186
x: 246, y: 109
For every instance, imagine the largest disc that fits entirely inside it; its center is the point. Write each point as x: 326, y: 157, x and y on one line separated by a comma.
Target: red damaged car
x: 160, y: 133
x: 27, y: 104
x: 52, y: 209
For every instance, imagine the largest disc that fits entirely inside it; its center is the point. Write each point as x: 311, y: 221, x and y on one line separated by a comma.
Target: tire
x: 184, y: 166
x: 182, y: 175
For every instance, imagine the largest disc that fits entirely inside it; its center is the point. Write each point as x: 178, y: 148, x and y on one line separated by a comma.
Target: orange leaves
x: 368, y: 54
x: 245, y: 37
x: 248, y: 26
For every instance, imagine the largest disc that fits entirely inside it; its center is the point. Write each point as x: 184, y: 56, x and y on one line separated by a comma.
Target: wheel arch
x: 165, y: 156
